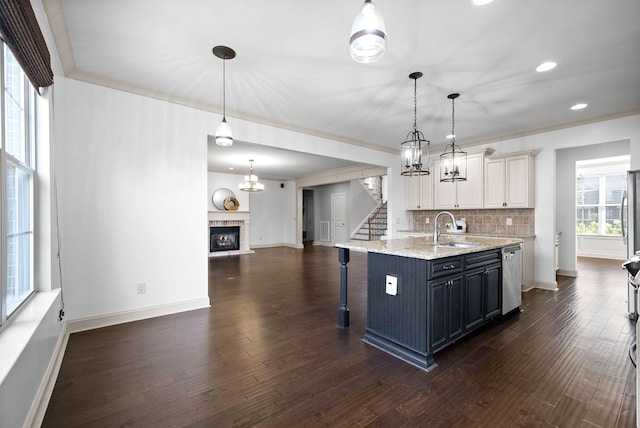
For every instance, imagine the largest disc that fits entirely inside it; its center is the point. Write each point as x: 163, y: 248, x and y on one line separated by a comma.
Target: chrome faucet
x: 436, y: 233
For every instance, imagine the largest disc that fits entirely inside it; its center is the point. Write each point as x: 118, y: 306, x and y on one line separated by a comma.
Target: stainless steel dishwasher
x: 511, y: 278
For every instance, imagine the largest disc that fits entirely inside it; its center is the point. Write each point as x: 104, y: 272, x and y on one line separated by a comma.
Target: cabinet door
x: 519, y: 182
x: 426, y: 191
x: 438, y: 313
x: 474, y: 298
x: 444, y: 194
x: 493, y: 290
x: 445, y: 310
x: 418, y: 192
x: 412, y: 192
x: 494, y: 183
x: 455, y: 304
x: 469, y: 194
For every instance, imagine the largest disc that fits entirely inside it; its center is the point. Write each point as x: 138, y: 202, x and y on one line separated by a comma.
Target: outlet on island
x: 391, y: 285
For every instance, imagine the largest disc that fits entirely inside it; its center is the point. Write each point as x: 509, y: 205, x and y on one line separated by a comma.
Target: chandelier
x: 453, y: 162
x: 251, y: 183
x: 412, y: 162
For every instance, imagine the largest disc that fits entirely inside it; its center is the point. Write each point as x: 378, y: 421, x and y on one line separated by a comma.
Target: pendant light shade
x: 415, y: 145
x: 368, y: 35
x: 251, y: 183
x: 224, y: 137
x: 453, y: 162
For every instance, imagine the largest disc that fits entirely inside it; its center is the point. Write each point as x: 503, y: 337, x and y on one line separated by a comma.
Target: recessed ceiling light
x: 481, y: 2
x: 579, y: 106
x: 450, y: 136
x: 546, y: 66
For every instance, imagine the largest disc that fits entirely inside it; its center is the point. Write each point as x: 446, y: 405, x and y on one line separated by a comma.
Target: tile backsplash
x: 485, y: 221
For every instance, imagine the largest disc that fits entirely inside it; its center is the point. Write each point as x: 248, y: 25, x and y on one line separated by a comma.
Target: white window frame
x: 600, y: 168
x: 26, y: 166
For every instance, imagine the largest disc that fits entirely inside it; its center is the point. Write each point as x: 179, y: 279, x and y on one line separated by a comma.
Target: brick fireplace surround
x: 232, y: 218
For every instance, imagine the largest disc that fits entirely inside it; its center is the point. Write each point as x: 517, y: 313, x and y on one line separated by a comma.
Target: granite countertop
x: 490, y: 235
x: 422, y: 248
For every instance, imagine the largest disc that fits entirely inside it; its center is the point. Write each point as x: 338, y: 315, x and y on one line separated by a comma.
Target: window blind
x: 20, y: 31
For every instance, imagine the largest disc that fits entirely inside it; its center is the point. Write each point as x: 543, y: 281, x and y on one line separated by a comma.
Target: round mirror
x: 225, y: 200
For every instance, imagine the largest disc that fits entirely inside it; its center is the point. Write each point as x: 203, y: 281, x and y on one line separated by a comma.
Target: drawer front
x: 484, y: 258
x: 445, y: 267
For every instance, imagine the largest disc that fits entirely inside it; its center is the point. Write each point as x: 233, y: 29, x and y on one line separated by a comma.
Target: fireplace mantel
x: 232, y: 218
x: 230, y: 215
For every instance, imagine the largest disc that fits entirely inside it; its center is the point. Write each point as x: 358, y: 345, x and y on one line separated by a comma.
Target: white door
x: 339, y: 217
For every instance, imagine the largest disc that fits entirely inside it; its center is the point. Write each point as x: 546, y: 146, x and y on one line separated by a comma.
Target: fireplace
x: 239, y: 220
x: 225, y: 238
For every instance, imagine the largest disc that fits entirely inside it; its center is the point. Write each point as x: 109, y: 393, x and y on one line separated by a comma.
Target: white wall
x: 273, y: 214
x: 566, y: 204
x: 601, y: 247
x: 132, y: 181
x: 218, y: 180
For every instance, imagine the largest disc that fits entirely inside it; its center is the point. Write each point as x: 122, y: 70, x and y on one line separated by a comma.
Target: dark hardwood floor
x: 268, y: 353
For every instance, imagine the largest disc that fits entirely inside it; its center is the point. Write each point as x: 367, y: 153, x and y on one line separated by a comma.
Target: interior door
x: 339, y: 217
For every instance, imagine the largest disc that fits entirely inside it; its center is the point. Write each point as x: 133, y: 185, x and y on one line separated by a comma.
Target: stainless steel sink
x: 457, y: 244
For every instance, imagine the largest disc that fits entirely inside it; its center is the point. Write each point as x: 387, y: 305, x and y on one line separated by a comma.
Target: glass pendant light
x: 251, y: 183
x: 368, y: 35
x: 453, y: 162
x: 224, y: 137
x: 412, y: 162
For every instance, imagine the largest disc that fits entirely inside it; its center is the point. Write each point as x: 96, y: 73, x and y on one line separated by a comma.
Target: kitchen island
x: 422, y: 297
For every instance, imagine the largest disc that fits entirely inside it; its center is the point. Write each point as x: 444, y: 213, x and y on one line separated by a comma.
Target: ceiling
x: 293, y: 69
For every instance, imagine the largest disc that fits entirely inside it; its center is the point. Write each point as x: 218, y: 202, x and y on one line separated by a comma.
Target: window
x: 599, y: 188
x: 16, y: 185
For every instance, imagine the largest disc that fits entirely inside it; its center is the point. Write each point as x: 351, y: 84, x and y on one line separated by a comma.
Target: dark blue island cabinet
x: 416, y: 307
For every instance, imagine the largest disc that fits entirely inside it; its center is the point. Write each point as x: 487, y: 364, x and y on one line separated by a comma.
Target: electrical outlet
x: 391, y: 286
x: 426, y: 220
x: 141, y: 288
x: 463, y: 219
x: 509, y: 222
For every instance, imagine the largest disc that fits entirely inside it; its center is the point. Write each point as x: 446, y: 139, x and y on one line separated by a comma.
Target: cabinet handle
x: 448, y: 267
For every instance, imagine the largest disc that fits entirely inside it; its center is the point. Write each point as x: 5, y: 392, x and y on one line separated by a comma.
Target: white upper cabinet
x: 419, y: 195
x: 509, y: 181
x: 461, y: 194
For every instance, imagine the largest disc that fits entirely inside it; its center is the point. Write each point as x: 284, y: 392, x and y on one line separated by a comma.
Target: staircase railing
x: 373, y: 216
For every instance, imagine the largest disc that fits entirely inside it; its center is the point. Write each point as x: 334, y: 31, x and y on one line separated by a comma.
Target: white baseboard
x: 602, y: 255
x: 281, y: 244
x: 43, y: 395
x: 547, y: 285
x: 106, y: 320
x: 567, y: 272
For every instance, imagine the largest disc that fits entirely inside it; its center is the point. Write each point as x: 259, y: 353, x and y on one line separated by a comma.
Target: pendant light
x: 453, y: 162
x: 251, y: 183
x: 224, y: 137
x: 412, y: 162
x: 368, y: 35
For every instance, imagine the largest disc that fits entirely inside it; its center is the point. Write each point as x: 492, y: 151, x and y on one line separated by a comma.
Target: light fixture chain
x: 453, y: 121
x: 224, y: 89
x: 415, y: 105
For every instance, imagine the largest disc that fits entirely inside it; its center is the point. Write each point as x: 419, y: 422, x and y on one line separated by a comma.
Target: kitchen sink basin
x: 457, y: 244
